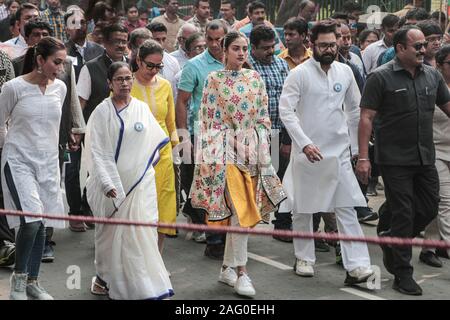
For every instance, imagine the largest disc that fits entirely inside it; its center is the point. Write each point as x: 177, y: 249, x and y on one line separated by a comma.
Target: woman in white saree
x: 123, y: 140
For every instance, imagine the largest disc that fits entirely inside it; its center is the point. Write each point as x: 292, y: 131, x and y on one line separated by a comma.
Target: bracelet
x: 362, y: 159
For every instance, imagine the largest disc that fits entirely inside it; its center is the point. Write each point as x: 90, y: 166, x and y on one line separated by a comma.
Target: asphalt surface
x: 194, y: 276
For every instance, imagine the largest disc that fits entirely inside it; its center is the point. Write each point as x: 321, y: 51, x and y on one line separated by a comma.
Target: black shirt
x: 405, y: 105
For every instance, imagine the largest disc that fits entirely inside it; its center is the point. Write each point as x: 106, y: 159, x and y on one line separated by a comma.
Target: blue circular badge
x: 138, y: 126
x: 337, y: 87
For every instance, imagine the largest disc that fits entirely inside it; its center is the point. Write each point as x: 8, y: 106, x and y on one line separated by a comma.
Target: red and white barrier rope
x: 401, y: 242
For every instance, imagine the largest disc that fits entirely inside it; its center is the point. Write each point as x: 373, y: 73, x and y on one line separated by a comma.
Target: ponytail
x: 46, y: 47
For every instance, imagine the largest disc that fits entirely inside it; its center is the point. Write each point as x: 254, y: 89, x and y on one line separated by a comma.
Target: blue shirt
x: 273, y: 75
x: 247, y: 29
x: 192, y: 80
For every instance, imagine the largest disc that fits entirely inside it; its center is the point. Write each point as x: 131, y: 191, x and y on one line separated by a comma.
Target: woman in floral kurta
x: 234, y: 178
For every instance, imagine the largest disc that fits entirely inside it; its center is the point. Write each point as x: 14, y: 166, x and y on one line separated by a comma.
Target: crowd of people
x: 226, y: 121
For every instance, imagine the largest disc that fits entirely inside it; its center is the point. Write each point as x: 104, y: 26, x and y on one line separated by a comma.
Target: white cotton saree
x: 121, y: 150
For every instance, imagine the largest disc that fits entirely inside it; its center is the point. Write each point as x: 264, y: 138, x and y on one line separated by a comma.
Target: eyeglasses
x: 420, y: 45
x: 325, y: 45
x: 151, y: 66
x: 122, y: 80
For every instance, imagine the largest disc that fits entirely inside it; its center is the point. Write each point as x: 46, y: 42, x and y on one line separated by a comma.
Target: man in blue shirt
x: 190, y: 91
x: 257, y: 12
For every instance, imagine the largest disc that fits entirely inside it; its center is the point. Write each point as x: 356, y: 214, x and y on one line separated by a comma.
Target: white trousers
x: 354, y: 254
x: 235, y: 254
x: 439, y: 228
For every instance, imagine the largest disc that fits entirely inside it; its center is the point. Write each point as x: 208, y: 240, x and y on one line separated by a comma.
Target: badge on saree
x: 337, y: 87
x: 138, y: 126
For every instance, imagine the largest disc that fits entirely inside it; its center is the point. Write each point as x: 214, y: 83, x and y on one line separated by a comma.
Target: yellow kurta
x: 159, y: 98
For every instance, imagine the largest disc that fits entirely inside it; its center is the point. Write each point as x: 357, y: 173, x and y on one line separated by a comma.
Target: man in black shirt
x: 401, y: 96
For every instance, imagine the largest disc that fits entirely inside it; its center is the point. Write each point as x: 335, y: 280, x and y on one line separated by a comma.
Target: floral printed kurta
x: 234, y: 111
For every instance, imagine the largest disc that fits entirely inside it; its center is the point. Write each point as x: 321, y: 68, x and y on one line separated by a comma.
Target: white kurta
x: 311, y: 108
x: 121, y: 150
x: 30, y: 148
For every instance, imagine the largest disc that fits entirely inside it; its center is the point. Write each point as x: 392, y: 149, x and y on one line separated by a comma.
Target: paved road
x: 194, y: 276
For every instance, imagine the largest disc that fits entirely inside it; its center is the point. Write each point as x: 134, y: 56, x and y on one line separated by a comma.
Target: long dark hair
x: 46, y: 47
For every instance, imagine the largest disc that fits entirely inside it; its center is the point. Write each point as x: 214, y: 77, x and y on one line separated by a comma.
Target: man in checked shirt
x: 55, y: 17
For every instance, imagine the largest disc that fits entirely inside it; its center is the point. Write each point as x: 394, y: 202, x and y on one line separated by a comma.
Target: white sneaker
x: 228, y: 276
x: 358, y: 275
x: 18, y: 286
x: 244, y: 286
x: 303, y: 268
x: 35, y: 291
x: 199, y: 237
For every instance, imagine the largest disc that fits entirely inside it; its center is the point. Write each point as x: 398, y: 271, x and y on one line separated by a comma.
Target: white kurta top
x: 30, y: 147
x: 121, y: 150
x: 311, y: 108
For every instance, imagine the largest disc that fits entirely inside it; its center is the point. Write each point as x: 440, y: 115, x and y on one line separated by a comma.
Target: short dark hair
x: 430, y: 27
x: 197, y: 2
x: 25, y: 6
x: 401, y: 36
x: 389, y: 21
x: 435, y: 15
x: 418, y: 14
x: 298, y: 25
x: 99, y: 11
x: 131, y: 5
x: 149, y: 47
x: 256, y: 5
x: 232, y: 3
x: 324, y: 26
x: 107, y: 30
x: 157, y: 27
x: 191, y: 39
x: 442, y: 54
x: 116, y: 66
x: 215, y: 25
x: 366, y: 33
x: 37, y: 24
x: 261, y: 33
x: 340, y: 15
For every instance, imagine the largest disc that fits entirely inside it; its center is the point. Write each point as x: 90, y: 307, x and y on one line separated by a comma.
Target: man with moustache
x: 402, y: 95
x: 319, y: 108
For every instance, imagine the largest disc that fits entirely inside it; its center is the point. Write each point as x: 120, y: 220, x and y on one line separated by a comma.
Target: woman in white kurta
x: 123, y: 140
x: 32, y: 106
x: 319, y: 106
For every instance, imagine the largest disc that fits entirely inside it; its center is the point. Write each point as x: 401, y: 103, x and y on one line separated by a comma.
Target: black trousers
x: 283, y: 220
x: 412, y: 199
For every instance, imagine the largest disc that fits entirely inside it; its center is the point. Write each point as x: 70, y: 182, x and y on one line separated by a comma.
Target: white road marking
x: 428, y: 276
x: 268, y: 261
x: 361, y: 294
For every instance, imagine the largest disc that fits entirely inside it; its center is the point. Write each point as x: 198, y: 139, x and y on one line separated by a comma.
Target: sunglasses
x: 418, y: 46
x: 151, y: 66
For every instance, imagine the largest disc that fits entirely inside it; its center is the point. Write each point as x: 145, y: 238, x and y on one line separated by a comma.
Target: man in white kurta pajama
x: 321, y: 112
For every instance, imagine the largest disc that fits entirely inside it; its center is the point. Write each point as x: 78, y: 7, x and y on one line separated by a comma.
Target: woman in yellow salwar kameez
x: 157, y: 93
x: 234, y: 179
